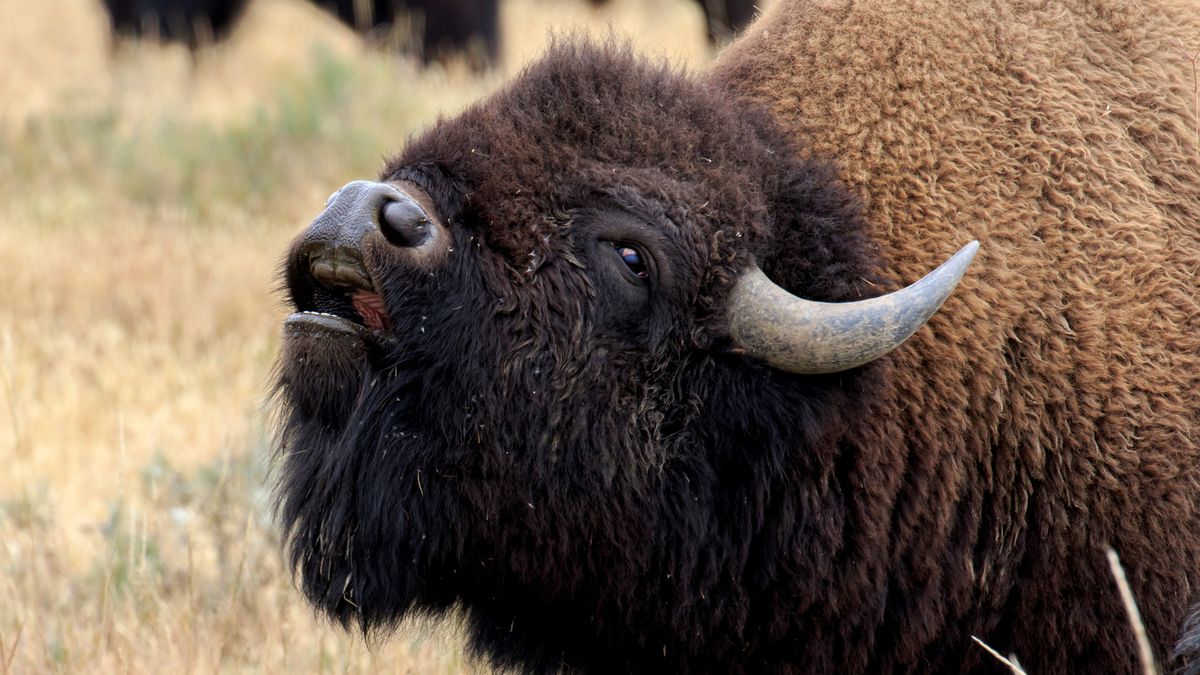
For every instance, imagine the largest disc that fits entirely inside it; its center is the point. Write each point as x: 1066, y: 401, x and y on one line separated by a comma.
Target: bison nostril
x: 403, y: 223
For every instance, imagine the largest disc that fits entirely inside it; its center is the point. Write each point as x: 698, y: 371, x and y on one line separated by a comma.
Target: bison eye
x: 632, y: 258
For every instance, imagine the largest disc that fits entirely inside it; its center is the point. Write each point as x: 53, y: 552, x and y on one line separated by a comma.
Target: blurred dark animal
x: 441, y: 28
x: 195, y: 23
x: 610, y: 363
x: 723, y: 19
x: 444, y: 28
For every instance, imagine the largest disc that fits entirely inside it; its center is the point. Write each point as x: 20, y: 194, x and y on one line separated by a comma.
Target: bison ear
x: 809, y: 337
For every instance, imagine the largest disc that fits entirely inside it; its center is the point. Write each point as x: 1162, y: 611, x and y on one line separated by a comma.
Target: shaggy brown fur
x: 1187, y: 652
x: 1054, y: 405
x: 574, y: 456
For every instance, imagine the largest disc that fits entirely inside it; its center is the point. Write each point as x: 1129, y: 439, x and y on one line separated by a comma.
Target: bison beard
x: 355, y: 525
x: 350, y: 399
x: 511, y: 389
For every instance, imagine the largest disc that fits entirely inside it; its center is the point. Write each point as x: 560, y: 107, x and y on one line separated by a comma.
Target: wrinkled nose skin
x: 333, y: 245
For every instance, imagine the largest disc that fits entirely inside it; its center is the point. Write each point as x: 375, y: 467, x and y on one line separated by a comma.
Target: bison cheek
x: 321, y: 375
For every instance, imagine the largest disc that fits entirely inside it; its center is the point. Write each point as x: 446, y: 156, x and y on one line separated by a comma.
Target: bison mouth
x: 334, y: 295
x: 338, y: 337
x: 360, y: 313
x: 329, y: 281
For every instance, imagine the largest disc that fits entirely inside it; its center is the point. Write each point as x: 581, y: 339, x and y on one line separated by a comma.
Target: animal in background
x: 443, y: 28
x: 194, y: 23
x: 723, y: 19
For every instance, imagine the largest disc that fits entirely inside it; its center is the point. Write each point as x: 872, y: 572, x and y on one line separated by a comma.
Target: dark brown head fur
x: 547, y: 444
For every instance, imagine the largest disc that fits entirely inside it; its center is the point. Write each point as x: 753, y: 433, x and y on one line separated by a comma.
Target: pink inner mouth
x: 370, y: 307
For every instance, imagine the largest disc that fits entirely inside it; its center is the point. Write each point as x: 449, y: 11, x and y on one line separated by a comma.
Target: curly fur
x: 601, y: 483
x: 1054, y: 404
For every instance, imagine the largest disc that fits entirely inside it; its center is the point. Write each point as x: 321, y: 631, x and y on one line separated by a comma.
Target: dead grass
x: 146, y: 204
x: 1145, y: 651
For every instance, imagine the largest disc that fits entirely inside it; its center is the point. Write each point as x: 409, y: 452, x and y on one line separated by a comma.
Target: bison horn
x: 808, y: 337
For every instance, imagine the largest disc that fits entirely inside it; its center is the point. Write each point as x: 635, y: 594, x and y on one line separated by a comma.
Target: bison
x: 613, y: 364
x: 443, y: 28
x: 194, y: 23
x: 722, y: 18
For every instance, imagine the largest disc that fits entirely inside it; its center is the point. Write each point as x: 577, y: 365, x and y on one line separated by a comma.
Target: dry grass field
x: 145, y: 202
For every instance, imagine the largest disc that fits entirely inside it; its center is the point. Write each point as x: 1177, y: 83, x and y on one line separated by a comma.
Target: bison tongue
x: 370, y: 307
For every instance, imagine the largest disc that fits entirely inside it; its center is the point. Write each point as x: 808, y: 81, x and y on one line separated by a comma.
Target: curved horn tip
x: 964, y: 256
x: 807, y: 337
x: 938, y: 284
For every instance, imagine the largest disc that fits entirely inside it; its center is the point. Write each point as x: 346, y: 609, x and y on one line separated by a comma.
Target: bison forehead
x: 585, y: 121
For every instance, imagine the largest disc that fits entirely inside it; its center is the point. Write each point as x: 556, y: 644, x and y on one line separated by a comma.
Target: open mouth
x: 368, y: 319
x: 341, y: 297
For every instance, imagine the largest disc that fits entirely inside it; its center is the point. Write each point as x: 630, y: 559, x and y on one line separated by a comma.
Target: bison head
x: 538, y: 371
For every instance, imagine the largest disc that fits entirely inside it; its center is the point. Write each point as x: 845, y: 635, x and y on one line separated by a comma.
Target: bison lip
x: 321, y: 324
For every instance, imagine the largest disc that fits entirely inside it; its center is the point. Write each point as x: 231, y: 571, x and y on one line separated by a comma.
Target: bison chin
x: 323, y: 366
x: 361, y: 530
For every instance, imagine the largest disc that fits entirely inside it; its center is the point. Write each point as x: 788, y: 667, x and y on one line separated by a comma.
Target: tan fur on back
x: 1065, y: 408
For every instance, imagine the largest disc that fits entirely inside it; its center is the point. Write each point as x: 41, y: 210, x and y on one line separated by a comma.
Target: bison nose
x: 332, y: 247
x: 404, y: 223
x: 364, y: 206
